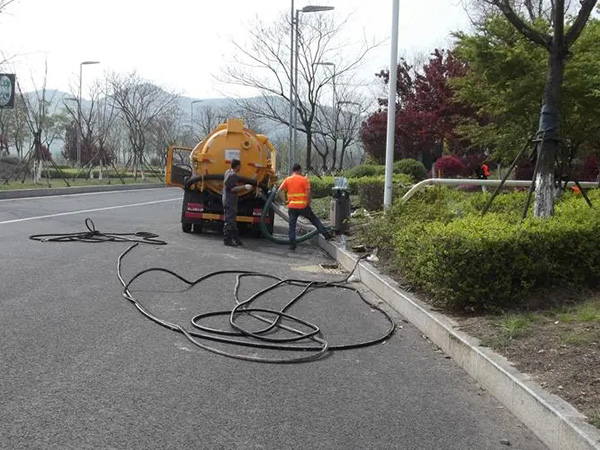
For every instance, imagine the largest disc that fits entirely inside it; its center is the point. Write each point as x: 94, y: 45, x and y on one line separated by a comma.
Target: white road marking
x: 80, y: 194
x: 82, y: 211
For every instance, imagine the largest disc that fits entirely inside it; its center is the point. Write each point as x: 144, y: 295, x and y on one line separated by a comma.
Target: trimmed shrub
x: 364, y: 170
x: 370, y: 190
x: 411, y: 167
x: 450, y: 167
x: 321, y: 187
x: 492, y: 262
x: 10, y: 160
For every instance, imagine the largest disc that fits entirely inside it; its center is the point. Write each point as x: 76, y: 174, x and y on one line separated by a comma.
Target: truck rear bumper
x: 191, y: 216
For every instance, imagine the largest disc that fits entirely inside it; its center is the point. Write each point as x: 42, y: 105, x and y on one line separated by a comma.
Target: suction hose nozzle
x: 265, y: 231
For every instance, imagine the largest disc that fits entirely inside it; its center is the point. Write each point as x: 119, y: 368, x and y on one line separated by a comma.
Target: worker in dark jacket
x: 230, y: 203
x: 297, y: 188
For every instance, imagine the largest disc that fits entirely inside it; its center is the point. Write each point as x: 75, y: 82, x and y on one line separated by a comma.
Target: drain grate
x: 333, y: 269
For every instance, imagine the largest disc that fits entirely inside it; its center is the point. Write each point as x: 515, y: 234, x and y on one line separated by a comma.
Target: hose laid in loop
x: 95, y: 236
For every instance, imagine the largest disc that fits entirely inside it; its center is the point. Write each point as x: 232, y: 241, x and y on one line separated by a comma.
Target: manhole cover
x: 332, y: 269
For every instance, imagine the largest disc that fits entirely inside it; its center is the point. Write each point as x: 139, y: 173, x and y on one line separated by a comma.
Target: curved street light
x: 294, y: 71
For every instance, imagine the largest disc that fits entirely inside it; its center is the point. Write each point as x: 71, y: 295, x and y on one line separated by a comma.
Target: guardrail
x: 476, y: 182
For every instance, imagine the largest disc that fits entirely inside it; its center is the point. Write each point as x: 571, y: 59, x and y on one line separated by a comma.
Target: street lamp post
x: 291, y: 138
x: 306, y: 9
x: 391, y: 122
x: 192, y: 116
x: 81, y: 64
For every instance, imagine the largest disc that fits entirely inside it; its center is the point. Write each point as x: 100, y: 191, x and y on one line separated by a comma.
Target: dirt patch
x: 559, y: 351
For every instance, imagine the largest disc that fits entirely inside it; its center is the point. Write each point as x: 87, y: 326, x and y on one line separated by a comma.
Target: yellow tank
x: 199, y: 171
x: 231, y: 140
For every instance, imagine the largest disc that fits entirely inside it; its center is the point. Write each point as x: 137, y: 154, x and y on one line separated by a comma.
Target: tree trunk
x: 324, y: 163
x: 548, y: 134
x: 334, y: 156
x: 308, y: 149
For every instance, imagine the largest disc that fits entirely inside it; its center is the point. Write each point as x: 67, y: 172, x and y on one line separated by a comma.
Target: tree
x: 98, y: 118
x: 426, y: 113
x: 167, y: 130
x: 43, y: 125
x: 13, y: 127
x: 140, y: 104
x: 263, y: 66
x: 543, y: 23
x: 505, y: 82
x: 337, y: 128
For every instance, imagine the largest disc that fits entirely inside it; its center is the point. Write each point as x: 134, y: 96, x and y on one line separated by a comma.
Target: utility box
x: 340, y: 209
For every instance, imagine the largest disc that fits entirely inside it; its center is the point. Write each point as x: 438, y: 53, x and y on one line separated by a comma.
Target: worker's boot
x: 238, y: 241
x: 292, y: 246
x: 230, y: 242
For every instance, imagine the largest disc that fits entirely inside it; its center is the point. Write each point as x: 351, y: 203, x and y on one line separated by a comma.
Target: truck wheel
x: 186, y: 227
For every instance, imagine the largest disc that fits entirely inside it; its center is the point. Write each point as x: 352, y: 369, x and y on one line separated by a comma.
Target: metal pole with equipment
x: 340, y: 206
x: 306, y: 9
x: 391, y: 122
x: 291, y: 138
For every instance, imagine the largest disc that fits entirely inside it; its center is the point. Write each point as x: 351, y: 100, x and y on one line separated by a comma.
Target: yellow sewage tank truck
x: 200, y: 171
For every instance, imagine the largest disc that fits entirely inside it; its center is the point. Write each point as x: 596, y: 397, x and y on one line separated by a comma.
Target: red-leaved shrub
x: 450, y: 167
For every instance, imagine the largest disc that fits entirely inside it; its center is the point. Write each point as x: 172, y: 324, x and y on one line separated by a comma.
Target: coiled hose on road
x: 309, y: 339
x: 263, y: 337
x: 94, y: 236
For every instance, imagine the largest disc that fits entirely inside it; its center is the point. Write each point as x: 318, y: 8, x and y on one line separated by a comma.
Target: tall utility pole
x: 391, y: 122
x: 306, y: 9
x: 81, y: 64
x: 291, y: 138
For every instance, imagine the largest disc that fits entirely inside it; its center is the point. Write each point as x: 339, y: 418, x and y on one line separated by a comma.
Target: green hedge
x: 364, y: 170
x: 407, y: 166
x: 495, y: 261
x: 70, y: 173
x: 321, y: 187
x: 411, y: 167
x: 368, y: 189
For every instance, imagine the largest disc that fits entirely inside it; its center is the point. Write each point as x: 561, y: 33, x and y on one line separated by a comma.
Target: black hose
x: 265, y: 230
x: 189, y: 182
x: 238, y: 335
x: 95, y: 236
x: 316, y: 347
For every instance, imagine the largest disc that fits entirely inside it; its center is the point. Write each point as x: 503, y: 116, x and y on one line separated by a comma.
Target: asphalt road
x: 81, y: 368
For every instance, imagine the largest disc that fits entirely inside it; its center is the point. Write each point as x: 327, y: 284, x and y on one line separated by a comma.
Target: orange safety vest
x: 486, y: 170
x: 297, y: 188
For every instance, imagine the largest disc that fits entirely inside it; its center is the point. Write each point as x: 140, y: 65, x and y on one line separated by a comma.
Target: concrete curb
x: 557, y: 423
x: 24, y: 193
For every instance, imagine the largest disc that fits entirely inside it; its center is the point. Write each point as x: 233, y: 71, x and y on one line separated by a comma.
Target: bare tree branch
x: 574, y: 32
x: 510, y: 14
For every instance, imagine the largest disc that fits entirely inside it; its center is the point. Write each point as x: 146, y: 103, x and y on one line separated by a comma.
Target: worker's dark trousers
x: 310, y: 215
x: 230, y: 230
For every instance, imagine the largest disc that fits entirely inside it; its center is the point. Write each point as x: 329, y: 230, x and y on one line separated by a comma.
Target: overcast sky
x: 181, y: 44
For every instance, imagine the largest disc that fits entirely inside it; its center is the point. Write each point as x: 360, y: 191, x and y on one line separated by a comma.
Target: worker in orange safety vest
x: 486, y: 171
x: 297, y: 188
